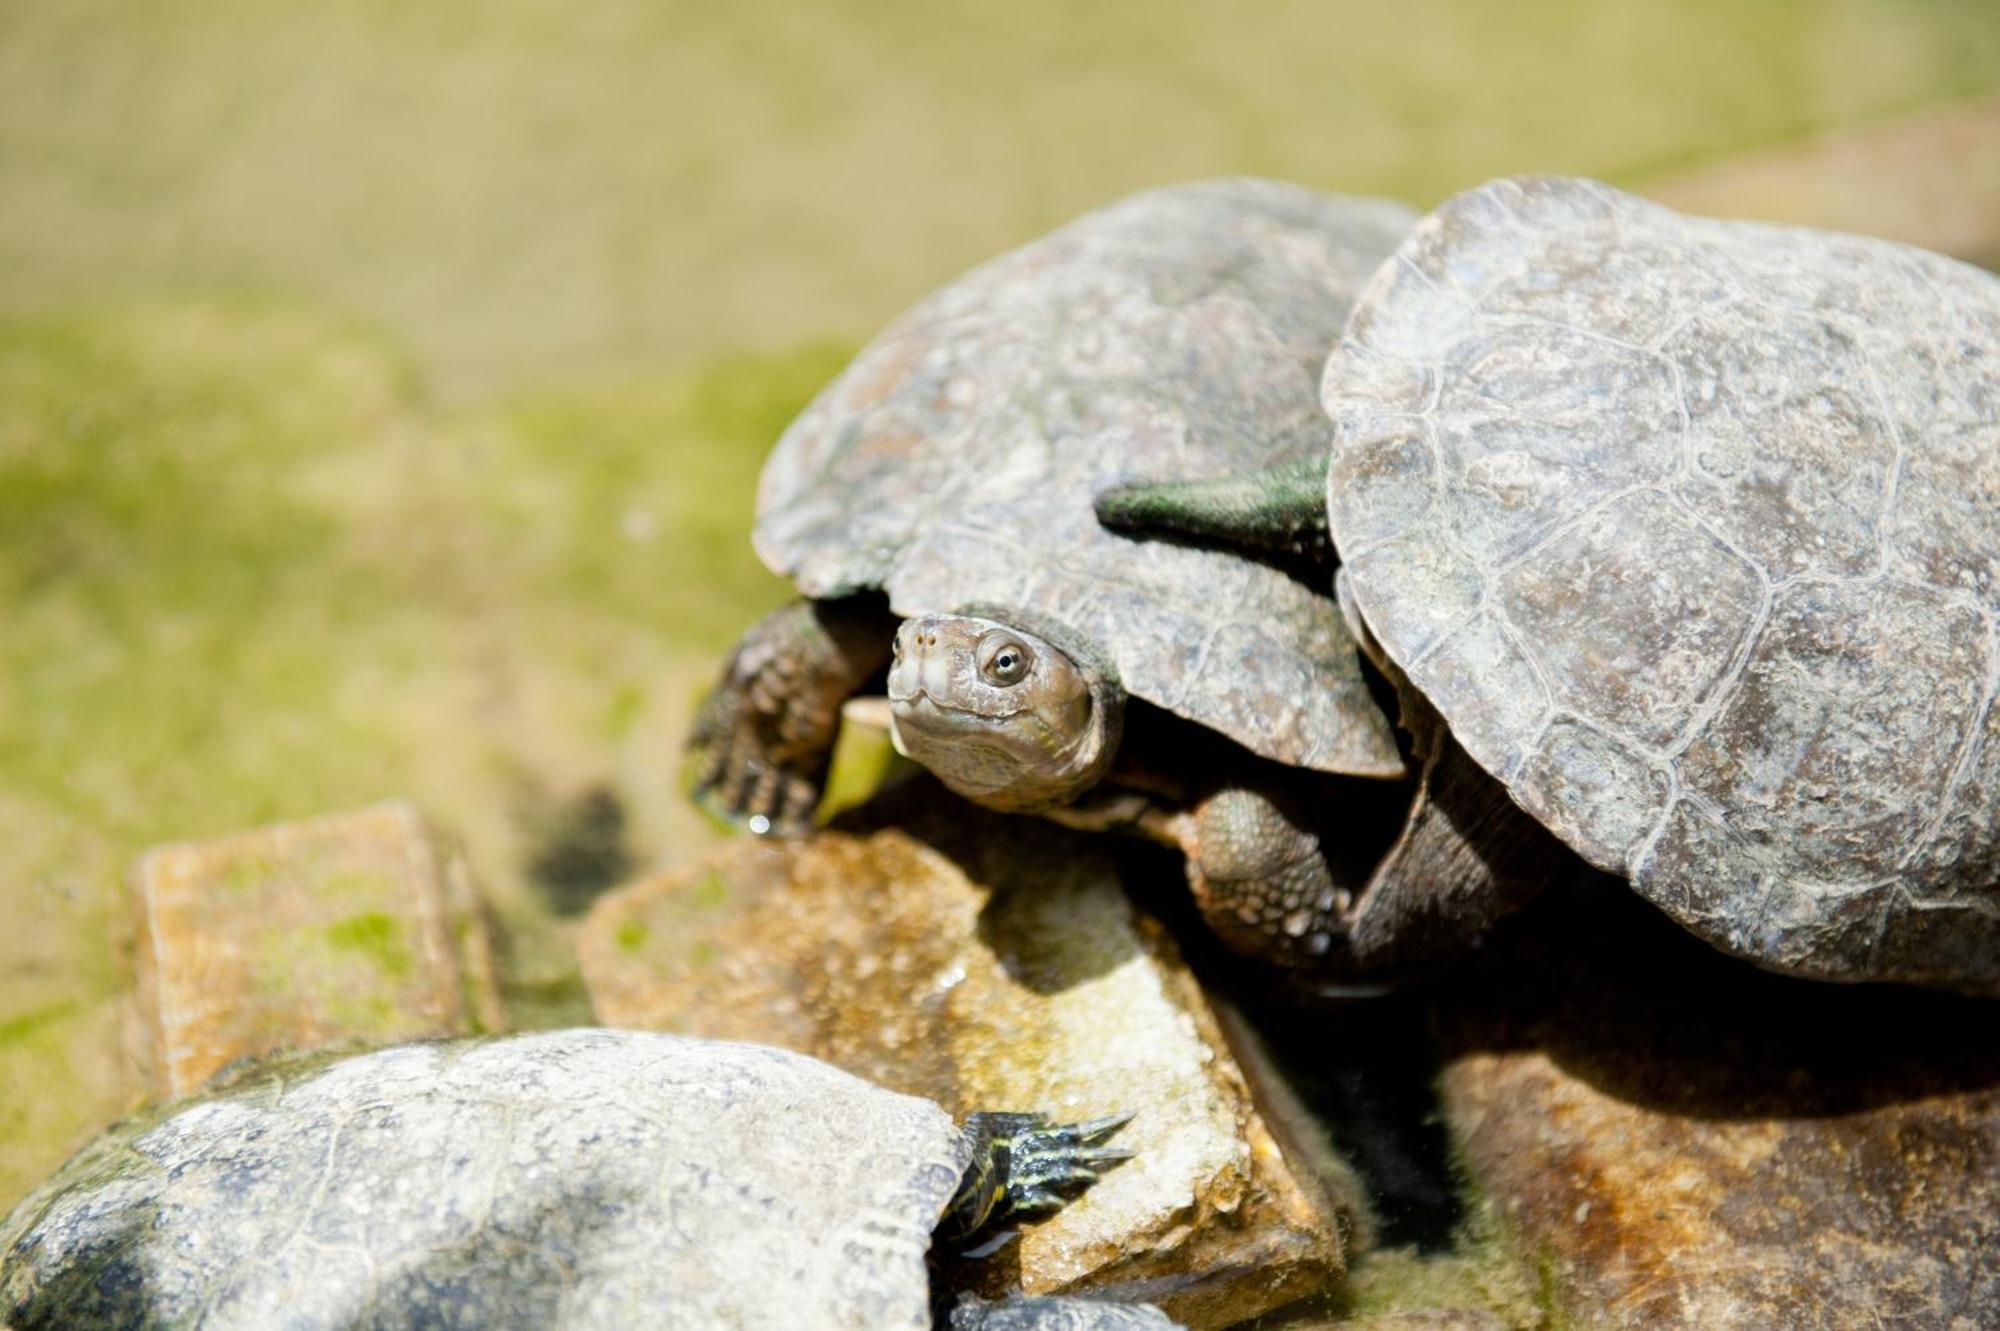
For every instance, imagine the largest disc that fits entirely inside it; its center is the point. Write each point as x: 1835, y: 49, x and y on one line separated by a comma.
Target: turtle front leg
x: 763, y: 739
x: 1025, y: 1166
x: 1467, y: 857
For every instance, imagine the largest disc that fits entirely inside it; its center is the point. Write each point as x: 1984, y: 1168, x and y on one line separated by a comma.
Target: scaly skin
x: 1265, y: 877
x: 764, y: 738
x: 1023, y: 1166
x: 1003, y: 716
x: 1256, y: 870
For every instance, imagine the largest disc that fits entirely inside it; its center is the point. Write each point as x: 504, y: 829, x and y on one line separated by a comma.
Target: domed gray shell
x: 578, y: 1179
x: 1691, y: 530
x: 1176, y: 334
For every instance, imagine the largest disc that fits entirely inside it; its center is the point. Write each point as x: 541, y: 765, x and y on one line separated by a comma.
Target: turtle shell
x: 1691, y: 531
x: 1179, y: 332
x: 572, y: 1179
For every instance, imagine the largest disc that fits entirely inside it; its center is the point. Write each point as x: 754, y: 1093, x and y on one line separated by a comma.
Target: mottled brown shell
x: 1691, y: 530
x: 1178, y: 333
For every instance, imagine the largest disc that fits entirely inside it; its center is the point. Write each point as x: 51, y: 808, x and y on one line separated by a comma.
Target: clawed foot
x: 763, y: 740
x: 1052, y: 1165
x: 742, y: 773
x: 1025, y: 1167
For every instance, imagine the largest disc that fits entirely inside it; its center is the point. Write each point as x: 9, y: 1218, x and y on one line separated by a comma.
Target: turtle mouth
x: 979, y: 752
x: 928, y: 713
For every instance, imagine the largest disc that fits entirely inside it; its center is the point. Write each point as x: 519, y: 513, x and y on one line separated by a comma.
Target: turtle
x: 1054, y: 1314
x: 575, y: 1179
x: 1681, y: 538
x: 933, y: 505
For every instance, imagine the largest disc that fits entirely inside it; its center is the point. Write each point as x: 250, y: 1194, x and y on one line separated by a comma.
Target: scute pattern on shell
x: 1058, y: 1314
x: 577, y: 1179
x: 1691, y: 529
x: 1177, y: 334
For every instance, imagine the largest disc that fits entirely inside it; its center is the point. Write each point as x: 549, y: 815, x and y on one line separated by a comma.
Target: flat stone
x: 1686, y: 1141
x: 353, y: 927
x: 990, y: 963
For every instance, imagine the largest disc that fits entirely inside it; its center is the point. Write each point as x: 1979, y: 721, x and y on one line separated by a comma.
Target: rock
x: 355, y: 926
x: 987, y: 961
x: 1687, y: 1141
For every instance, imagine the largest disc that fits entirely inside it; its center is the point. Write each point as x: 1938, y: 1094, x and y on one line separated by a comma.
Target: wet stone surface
x: 990, y: 963
x: 1681, y: 1140
x: 352, y: 927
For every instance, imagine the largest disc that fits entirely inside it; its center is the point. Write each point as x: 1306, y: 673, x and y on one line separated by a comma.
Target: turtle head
x: 1000, y: 713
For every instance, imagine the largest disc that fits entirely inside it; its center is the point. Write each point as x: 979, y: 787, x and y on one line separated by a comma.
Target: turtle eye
x: 1003, y: 661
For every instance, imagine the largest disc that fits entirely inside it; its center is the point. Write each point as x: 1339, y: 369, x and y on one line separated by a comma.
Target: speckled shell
x: 1059, y: 1314
x: 1178, y: 333
x: 1691, y: 530
x: 578, y: 1179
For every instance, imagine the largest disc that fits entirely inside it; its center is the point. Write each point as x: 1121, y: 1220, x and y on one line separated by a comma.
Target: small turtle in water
x: 1689, y: 530
x: 572, y: 1179
x: 935, y: 504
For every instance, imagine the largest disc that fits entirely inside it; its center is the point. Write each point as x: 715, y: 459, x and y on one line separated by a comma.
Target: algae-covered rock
x: 1682, y: 1141
x: 357, y: 926
x: 983, y: 960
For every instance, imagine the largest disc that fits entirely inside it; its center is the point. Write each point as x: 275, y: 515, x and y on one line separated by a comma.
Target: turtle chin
x: 1000, y: 715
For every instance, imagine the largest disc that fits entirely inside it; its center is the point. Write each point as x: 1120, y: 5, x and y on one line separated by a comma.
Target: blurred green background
x: 383, y: 385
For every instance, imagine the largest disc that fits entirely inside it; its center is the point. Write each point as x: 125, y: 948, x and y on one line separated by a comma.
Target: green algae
x: 29, y: 1024
x: 672, y: 935
x: 708, y: 893
x: 1488, y: 1265
x: 247, y: 575
x: 377, y: 936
